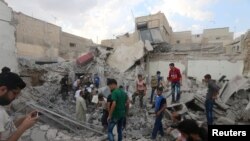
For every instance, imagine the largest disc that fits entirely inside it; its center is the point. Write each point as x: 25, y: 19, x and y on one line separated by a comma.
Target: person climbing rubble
x: 64, y: 87
x: 160, y: 106
x: 175, y: 78
x: 141, y: 90
x: 81, y: 108
x: 10, y: 88
x: 212, y: 92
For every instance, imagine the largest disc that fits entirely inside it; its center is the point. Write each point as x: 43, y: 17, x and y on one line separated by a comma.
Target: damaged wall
x: 183, y: 37
x: 197, y: 66
x: 126, y: 39
x: 7, y: 38
x: 217, y: 35
x: 72, y: 46
x: 154, y: 28
x: 217, y: 68
x: 163, y: 67
x: 36, y: 39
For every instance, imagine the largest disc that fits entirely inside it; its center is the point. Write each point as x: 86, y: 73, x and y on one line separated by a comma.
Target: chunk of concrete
x: 44, y: 127
x: 38, y: 135
x: 225, y: 121
x: 51, y: 133
x: 125, y: 57
x: 233, y: 86
x: 148, y: 46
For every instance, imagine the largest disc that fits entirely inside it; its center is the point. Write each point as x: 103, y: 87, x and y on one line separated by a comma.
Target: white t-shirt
x: 7, y: 126
x: 77, y: 94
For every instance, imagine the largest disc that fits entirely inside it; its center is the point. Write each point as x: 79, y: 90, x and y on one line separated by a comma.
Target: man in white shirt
x: 81, y: 108
x: 10, y: 87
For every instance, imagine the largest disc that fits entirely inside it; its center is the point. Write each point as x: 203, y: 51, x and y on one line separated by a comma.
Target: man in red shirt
x: 174, y: 77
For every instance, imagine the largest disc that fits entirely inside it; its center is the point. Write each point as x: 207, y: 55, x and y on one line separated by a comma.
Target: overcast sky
x: 104, y: 19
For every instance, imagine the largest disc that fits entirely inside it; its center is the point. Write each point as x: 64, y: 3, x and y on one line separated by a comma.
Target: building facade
x: 7, y: 38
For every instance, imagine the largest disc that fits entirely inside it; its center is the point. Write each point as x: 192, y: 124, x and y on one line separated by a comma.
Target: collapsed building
x: 42, y: 54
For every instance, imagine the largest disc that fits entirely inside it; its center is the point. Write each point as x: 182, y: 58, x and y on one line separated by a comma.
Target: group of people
x: 115, y: 107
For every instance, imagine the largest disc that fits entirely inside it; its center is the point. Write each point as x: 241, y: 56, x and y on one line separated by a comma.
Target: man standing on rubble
x: 141, y: 90
x: 212, y: 92
x: 175, y: 78
x: 64, y: 87
x: 160, y: 106
x: 81, y: 108
x: 10, y: 87
x: 117, y: 111
x: 156, y: 81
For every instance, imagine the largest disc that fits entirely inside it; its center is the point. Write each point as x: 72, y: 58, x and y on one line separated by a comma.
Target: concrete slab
x: 234, y: 85
x: 148, y: 46
x: 125, y: 57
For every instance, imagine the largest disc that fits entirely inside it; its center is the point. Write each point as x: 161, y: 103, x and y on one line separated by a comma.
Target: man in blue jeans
x: 175, y: 78
x: 212, y: 93
x: 117, y: 110
x: 160, y: 106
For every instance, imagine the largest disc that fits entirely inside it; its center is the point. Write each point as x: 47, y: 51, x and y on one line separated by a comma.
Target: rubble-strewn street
x: 58, y: 123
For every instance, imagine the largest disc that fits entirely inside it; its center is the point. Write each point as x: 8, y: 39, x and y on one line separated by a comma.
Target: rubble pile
x: 59, y: 123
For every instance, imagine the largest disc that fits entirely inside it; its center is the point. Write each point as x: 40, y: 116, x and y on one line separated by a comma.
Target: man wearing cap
x: 10, y: 87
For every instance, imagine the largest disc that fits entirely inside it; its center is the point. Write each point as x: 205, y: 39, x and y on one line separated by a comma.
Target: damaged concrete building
x: 43, y: 41
x: 42, y: 53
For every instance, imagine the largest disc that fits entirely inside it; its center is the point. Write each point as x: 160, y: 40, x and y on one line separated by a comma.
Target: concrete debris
x: 148, y: 46
x: 234, y: 85
x: 58, y: 120
x: 125, y: 57
x: 224, y: 121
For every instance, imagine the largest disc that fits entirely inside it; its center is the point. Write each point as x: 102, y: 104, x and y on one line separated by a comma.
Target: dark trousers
x: 141, y: 95
x: 64, y: 92
x: 158, y: 126
x: 175, y: 88
x: 111, y: 125
x: 209, y: 103
x: 105, y: 115
x: 152, y: 94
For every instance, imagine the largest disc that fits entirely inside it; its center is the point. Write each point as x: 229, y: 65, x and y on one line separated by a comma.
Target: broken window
x: 197, y: 35
x: 142, y: 26
x: 178, y: 41
x: 156, y: 35
x: 217, y: 38
x: 146, y: 35
x: 72, y: 44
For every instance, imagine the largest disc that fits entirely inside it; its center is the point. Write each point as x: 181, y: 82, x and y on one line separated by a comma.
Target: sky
x: 105, y: 19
